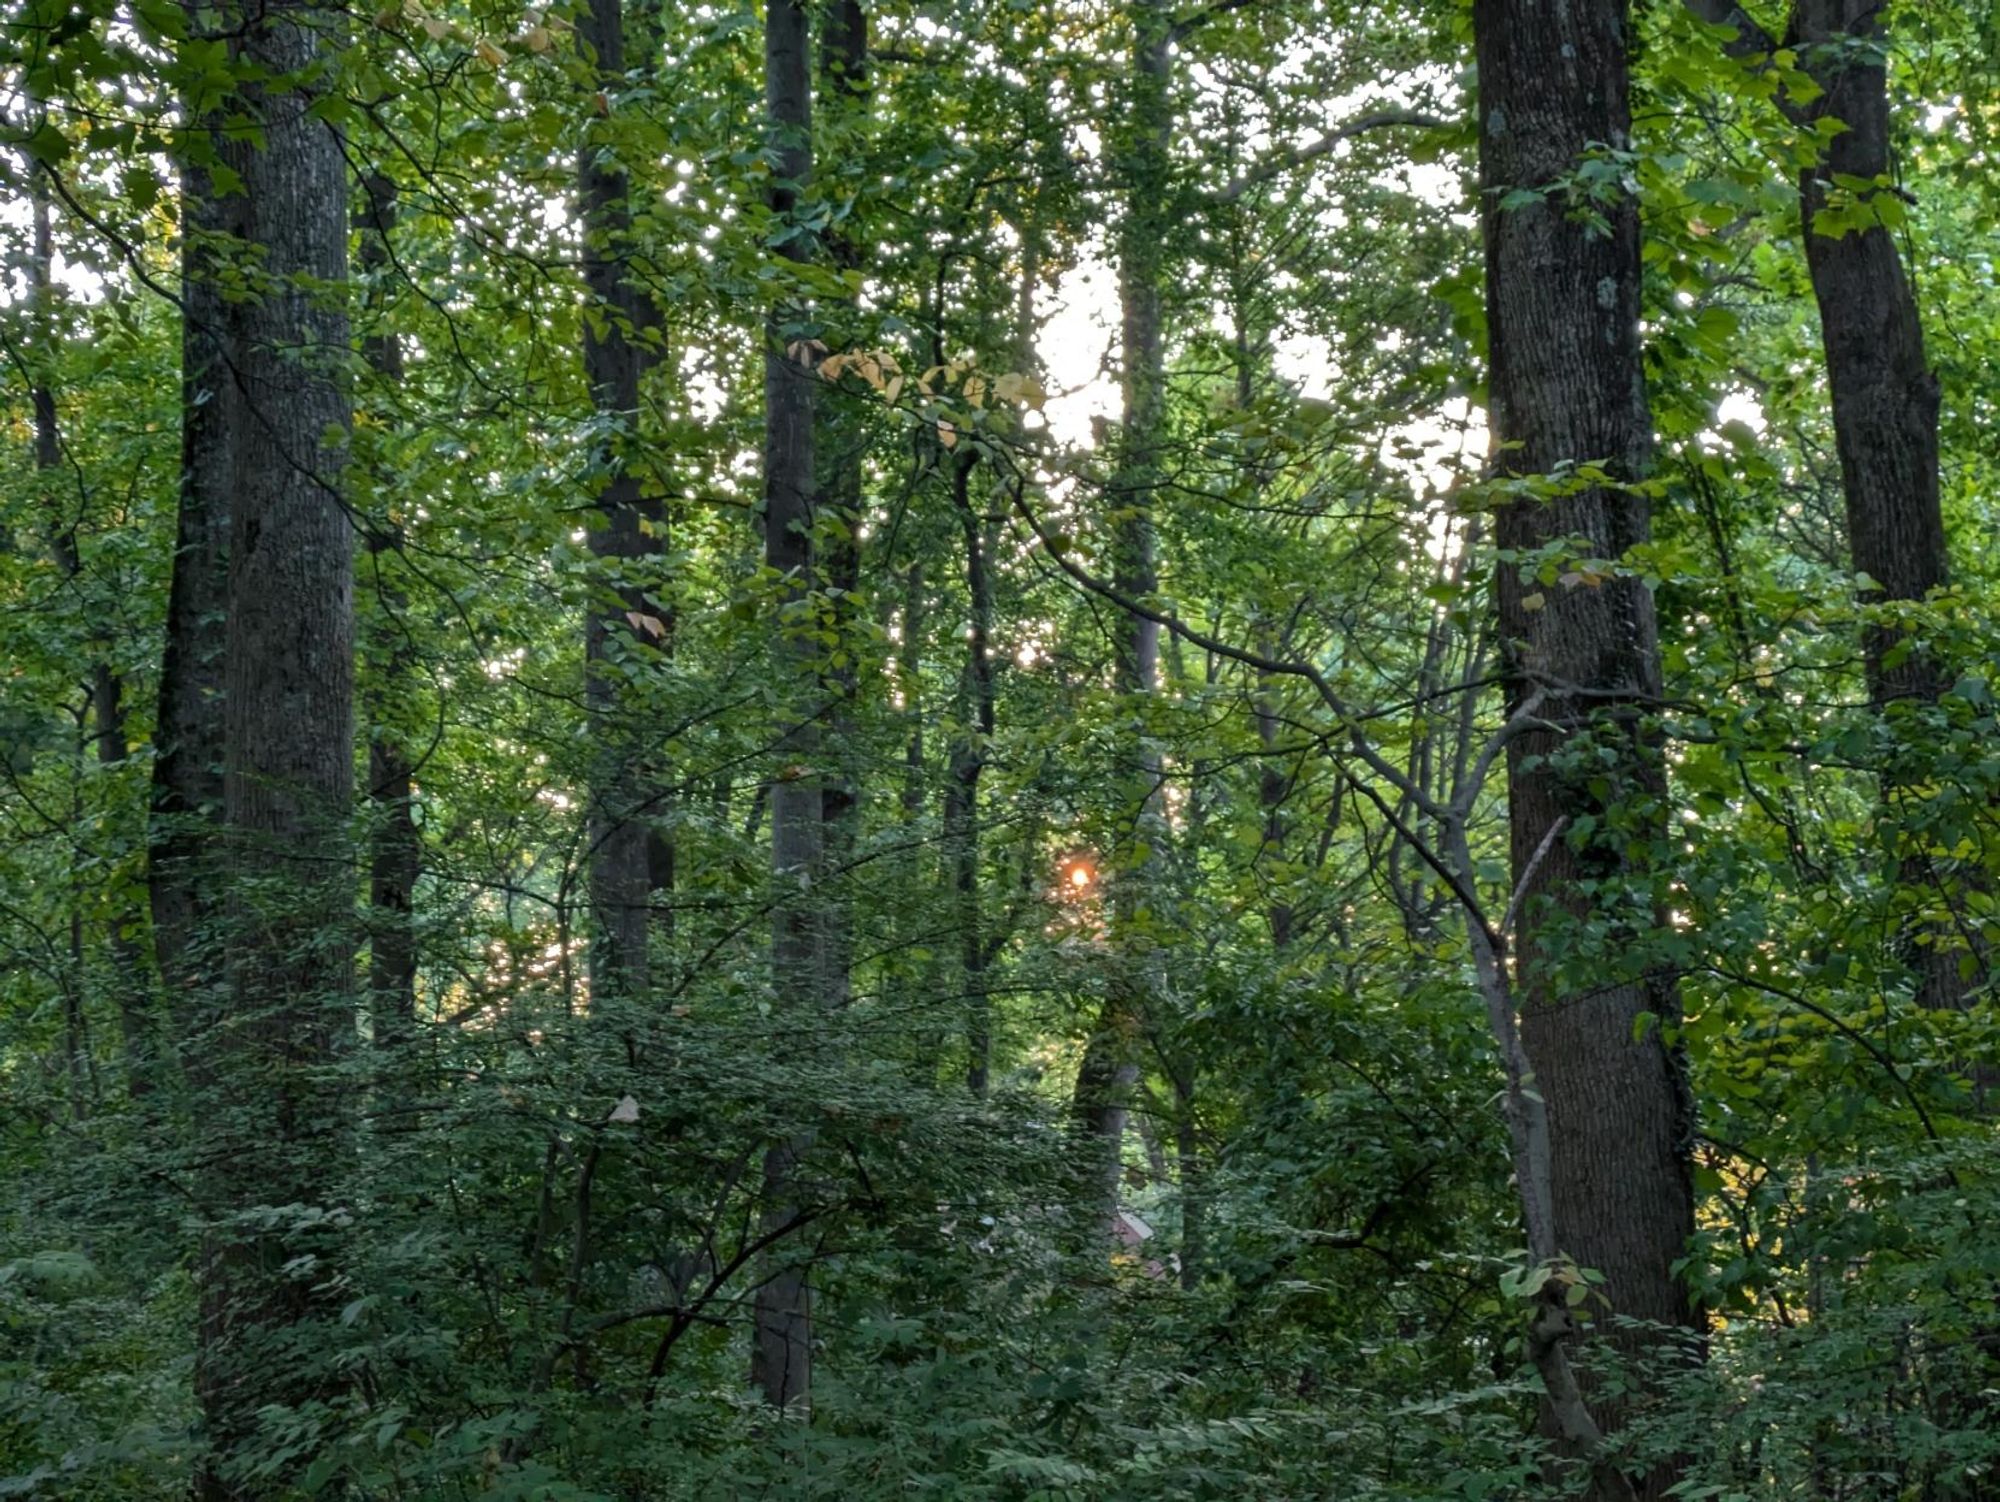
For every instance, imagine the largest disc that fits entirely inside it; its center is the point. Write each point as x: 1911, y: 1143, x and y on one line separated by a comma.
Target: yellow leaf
x: 488, y: 53
x: 947, y: 434
x: 1534, y: 601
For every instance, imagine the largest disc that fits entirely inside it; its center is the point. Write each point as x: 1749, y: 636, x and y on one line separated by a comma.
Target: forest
x: 999, y: 750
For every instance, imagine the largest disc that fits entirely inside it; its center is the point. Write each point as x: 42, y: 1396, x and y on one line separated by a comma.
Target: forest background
x: 1060, y: 749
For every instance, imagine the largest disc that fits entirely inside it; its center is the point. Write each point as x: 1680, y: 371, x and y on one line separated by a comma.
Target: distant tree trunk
x: 397, y: 857
x: 781, y: 1352
x: 182, y: 876
x: 270, y: 1108
x: 626, y: 847
x: 841, y: 446
x: 962, y: 778
x: 1105, y: 1077
x: 63, y: 544
x: 1568, y: 387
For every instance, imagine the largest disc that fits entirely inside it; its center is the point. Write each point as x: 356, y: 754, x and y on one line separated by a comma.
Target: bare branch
x: 1285, y: 161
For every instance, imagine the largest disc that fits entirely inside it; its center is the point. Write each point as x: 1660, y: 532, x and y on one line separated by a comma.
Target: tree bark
x: 626, y: 845
x: 781, y: 1350
x: 1105, y: 1077
x: 1568, y: 388
x: 1885, y: 395
x: 181, y: 876
x: 1885, y: 408
x: 396, y: 860
x: 288, y: 739
x: 841, y: 444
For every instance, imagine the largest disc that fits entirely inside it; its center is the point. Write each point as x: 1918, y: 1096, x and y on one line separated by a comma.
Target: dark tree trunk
x: 1105, y: 1077
x: 627, y: 845
x: 841, y: 444
x: 781, y: 1351
x: 270, y: 1108
x: 396, y: 860
x: 187, y: 738
x: 962, y: 777
x: 1568, y: 387
x: 1885, y: 406
x: 1885, y: 397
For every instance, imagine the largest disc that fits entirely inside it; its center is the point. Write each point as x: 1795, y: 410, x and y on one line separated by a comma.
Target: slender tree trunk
x: 781, y: 1352
x: 1885, y: 394
x: 1106, y: 1075
x: 1568, y: 387
x: 271, y: 1109
x: 962, y: 777
x: 1885, y: 417
x: 626, y: 845
x: 104, y: 703
x: 841, y: 443
x: 396, y: 860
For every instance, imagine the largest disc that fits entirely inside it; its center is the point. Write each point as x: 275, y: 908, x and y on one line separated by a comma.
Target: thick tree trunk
x: 1106, y: 1075
x: 626, y: 846
x: 781, y: 1351
x: 1568, y: 388
x: 271, y: 1109
x: 396, y: 860
x: 182, y: 875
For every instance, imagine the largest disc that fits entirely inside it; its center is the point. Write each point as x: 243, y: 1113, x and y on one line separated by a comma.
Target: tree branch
x: 1284, y: 161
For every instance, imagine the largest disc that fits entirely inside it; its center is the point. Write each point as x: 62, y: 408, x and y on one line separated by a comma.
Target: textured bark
x: 187, y: 736
x: 288, y: 742
x: 626, y: 847
x: 1885, y: 395
x: 396, y: 860
x: 1568, y: 387
x: 1105, y: 1077
x: 781, y: 1350
x: 1885, y: 411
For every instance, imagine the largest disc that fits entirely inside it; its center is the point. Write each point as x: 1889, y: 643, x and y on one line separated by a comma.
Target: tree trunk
x: 1885, y: 411
x: 841, y: 443
x: 271, y: 1110
x: 1568, y: 388
x: 962, y: 778
x: 781, y: 1352
x: 397, y: 857
x: 1107, y: 1072
x: 626, y: 847
x: 181, y: 875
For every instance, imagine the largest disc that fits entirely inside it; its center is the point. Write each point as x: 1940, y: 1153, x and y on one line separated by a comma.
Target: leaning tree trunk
x: 1104, y: 1079
x: 271, y: 1112
x: 627, y: 849
x: 781, y: 1349
x: 1568, y: 388
x: 1885, y: 407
